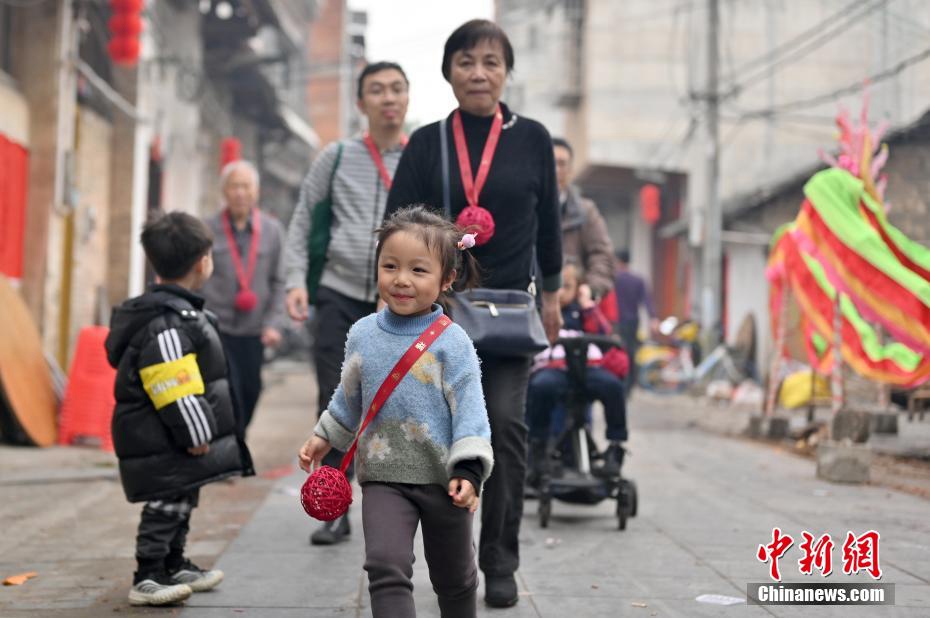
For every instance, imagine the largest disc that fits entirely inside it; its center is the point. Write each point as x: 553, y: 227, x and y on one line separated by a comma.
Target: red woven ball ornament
x: 477, y: 218
x: 246, y: 300
x: 326, y: 494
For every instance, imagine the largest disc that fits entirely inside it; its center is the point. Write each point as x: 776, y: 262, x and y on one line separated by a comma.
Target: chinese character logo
x: 817, y: 555
x: 861, y: 554
x: 773, y: 551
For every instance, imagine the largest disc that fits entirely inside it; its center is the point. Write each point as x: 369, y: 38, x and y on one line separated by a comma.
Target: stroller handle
x: 581, y: 342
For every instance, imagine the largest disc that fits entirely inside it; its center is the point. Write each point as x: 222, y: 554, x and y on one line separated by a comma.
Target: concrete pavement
x: 706, y: 503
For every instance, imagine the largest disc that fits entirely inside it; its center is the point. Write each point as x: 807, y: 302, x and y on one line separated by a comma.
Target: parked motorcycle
x: 671, y: 362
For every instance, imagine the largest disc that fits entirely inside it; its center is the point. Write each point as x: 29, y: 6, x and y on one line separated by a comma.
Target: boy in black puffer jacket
x: 173, y: 427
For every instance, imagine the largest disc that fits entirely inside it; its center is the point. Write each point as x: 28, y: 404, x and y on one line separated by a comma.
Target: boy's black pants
x: 162, y: 533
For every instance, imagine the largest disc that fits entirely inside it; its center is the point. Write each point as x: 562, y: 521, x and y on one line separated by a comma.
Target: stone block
x: 852, y: 425
x: 754, y: 429
x: 778, y: 428
x: 885, y: 422
x: 843, y: 462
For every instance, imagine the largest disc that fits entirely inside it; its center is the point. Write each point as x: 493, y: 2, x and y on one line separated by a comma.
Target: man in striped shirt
x: 354, y: 174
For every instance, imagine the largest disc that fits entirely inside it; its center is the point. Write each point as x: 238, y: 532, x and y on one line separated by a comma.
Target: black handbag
x: 499, y: 322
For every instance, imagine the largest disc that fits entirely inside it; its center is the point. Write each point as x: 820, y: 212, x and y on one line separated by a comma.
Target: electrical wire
x: 738, y: 125
x: 909, y: 26
x: 683, y: 141
x: 683, y: 100
x: 668, y: 11
x: 794, y: 41
x: 803, y: 50
x: 839, y: 92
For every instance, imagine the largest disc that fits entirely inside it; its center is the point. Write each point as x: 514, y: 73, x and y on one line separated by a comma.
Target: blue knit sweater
x: 436, y: 416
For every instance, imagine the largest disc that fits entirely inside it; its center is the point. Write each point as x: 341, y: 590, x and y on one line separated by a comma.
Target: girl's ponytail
x: 469, y: 273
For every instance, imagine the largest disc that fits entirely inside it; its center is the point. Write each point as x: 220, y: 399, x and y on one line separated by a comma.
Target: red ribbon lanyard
x: 473, y: 186
x: 426, y: 338
x: 245, y: 278
x: 376, y: 157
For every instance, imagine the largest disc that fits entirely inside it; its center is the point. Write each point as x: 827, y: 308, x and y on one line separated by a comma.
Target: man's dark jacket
x: 585, y: 239
x: 171, y: 394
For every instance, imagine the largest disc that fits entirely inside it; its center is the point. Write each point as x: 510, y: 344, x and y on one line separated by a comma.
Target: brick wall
x: 324, y: 89
x: 908, y: 191
x: 35, y: 35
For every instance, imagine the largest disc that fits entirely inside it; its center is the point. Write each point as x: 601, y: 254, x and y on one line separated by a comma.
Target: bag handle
x: 332, y: 174
x: 413, y: 353
x: 444, y: 146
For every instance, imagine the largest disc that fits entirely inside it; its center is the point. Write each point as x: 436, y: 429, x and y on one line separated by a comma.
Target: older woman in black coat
x: 514, y: 185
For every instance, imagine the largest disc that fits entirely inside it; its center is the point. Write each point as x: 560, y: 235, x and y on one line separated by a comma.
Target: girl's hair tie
x: 467, y: 242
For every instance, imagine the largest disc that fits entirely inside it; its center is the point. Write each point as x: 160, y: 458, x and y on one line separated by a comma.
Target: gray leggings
x: 390, y: 515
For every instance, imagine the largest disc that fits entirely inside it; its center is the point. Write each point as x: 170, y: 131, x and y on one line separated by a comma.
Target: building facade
x: 627, y: 83
x: 91, y: 148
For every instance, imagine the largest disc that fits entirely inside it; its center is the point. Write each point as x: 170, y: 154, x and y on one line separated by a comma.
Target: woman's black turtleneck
x: 520, y: 192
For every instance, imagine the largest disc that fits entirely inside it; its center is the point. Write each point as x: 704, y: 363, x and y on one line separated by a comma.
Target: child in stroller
x: 557, y: 379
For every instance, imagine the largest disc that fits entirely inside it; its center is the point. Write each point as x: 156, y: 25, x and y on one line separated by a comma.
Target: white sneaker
x: 196, y: 578
x: 150, y: 592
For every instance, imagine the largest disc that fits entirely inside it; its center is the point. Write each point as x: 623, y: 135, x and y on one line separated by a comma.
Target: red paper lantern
x: 230, y: 150
x: 649, y: 200
x: 125, y: 26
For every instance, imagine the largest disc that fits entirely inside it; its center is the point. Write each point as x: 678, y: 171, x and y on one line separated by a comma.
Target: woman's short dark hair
x: 377, y: 67
x: 470, y: 34
x: 174, y: 243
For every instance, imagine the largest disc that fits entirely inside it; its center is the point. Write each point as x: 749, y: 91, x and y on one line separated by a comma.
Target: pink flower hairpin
x: 467, y: 242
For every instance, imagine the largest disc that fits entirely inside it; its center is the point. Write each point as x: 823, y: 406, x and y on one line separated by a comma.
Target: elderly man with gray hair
x: 246, y: 291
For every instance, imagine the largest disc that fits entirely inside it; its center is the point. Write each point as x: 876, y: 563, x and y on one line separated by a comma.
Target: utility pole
x: 711, y: 262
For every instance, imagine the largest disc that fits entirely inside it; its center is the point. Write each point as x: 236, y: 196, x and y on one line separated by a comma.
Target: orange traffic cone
x: 88, y: 404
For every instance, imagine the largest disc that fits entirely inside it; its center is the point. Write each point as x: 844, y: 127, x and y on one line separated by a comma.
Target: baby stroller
x: 566, y: 472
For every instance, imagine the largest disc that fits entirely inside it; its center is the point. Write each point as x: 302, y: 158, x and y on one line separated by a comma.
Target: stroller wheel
x: 634, y: 499
x: 544, y: 510
x: 626, y: 502
x: 621, y: 515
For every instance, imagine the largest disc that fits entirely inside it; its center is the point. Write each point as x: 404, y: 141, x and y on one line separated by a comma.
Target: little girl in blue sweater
x: 428, y: 450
